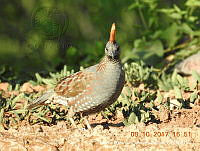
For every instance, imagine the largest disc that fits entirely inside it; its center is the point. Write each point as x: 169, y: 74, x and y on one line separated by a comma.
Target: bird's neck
x: 107, y: 61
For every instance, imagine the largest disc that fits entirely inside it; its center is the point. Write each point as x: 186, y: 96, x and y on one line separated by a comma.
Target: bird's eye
x: 106, y: 49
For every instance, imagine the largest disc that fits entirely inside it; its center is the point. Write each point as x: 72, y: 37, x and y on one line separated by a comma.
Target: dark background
x: 44, y: 35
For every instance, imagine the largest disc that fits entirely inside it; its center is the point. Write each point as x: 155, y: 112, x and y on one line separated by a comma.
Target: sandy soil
x: 181, y: 131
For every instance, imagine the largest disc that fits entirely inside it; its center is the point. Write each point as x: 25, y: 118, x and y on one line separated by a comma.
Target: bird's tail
x: 45, y: 98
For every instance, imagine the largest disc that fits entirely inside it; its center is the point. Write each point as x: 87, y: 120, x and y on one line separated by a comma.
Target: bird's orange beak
x: 112, y: 33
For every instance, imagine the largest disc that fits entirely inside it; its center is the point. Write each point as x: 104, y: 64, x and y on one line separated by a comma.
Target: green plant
x: 172, y: 81
x: 13, y: 109
x: 136, y: 105
x: 164, y: 29
x: 138, y: 73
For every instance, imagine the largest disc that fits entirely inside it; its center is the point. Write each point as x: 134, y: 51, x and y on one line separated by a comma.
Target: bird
x: 92, y: 89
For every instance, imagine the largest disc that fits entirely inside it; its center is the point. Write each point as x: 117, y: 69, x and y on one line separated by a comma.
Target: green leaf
x: 38, y: 77
x: 196, y: 75
x: 133, y: 118
x: 159, y: 97
x: 193, y: 3
x: 42, y: 118
x: 148, y: 51
x: 186, y: 29
x: 170, y: 35
x: 19, y: 111
x: 174, y: 78
x: 193, y: 96
x: 134, y: 5
x: 13, y: 102
x: 178, y: 93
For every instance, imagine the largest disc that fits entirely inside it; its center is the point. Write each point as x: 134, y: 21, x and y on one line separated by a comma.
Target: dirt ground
x: 181, y: 131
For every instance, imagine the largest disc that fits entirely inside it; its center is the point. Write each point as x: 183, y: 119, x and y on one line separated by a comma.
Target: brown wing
x: 75, y: 84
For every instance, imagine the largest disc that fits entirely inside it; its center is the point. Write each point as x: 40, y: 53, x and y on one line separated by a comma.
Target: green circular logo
x: 51, y: 22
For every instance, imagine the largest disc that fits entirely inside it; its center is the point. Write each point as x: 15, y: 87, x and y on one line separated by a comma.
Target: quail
x: 93, y: 89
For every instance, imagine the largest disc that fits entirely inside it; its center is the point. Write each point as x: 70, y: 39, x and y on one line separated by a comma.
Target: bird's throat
x: 112, y: 59
x: 106, y: 61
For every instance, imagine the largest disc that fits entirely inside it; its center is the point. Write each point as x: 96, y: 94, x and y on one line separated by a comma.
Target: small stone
x: 27, y: 87
x: 4, y: 86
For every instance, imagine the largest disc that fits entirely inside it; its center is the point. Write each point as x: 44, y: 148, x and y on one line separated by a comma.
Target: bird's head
x: 112, y: 49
